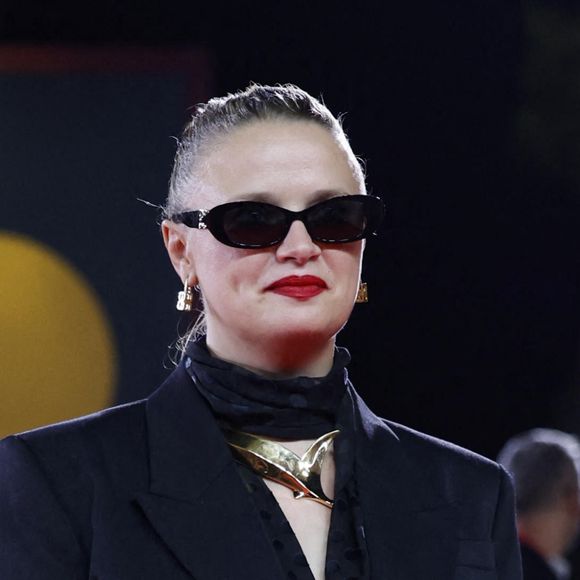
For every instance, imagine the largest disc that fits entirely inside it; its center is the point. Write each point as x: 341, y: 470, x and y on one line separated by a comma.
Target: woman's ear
x: 175, y: 239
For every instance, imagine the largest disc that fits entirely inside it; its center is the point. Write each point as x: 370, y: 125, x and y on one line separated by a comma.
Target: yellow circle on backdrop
x: 57, y: 355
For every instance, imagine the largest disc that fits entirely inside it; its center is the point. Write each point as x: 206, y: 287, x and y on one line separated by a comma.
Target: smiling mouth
x: 299, y: 287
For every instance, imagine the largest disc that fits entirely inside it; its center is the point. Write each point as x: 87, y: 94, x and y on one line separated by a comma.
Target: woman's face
x: 292, y: 164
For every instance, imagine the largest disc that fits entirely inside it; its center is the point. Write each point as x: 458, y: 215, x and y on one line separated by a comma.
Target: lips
x: 299, y: 287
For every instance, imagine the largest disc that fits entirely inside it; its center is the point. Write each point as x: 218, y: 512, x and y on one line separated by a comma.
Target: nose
x: 297, y: 245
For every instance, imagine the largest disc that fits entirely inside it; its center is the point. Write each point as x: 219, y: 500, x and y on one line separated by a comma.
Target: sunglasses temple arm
x: 192, y: 219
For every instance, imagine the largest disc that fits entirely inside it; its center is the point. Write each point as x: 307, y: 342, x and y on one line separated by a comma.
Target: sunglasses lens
x: 341, y: 219
x: 253, y: 225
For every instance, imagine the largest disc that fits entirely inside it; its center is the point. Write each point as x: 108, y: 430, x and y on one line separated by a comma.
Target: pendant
x: 274, y: 461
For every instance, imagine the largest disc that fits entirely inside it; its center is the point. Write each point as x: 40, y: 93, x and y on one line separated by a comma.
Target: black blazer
x: 149, y: 490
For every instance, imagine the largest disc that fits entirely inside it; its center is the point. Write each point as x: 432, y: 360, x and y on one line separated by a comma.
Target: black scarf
x: 297, y: 408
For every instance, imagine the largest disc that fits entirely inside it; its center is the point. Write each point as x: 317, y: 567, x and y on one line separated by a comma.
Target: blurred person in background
x: 545, y: 466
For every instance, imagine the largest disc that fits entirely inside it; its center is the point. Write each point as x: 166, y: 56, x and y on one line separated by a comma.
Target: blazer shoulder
x: 437, y: 447
x: 448, y: 463
x: 79, y: 449
x: 112, y: 441
x: 107, y: 420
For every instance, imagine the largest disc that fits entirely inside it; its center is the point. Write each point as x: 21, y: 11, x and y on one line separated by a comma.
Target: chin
x: 299, y: 329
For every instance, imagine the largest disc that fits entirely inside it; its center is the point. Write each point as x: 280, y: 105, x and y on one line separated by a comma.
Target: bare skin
x: 309, y: 520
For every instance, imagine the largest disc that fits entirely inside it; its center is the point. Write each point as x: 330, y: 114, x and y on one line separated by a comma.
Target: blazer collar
x: 196, y: 501
x: 409, y: 526
x: 186, y: 448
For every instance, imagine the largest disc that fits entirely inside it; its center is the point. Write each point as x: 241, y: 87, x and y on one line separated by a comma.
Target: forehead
x: 286, y: 162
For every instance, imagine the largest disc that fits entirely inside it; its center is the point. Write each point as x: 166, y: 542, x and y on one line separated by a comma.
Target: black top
x: 345, y: 553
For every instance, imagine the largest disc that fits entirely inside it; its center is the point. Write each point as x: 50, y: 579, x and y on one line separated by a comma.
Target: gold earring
x: 362, y: 294
x: 185, y: 298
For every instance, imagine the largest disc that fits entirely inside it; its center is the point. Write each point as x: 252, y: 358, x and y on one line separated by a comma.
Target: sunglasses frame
x: 212, y: 219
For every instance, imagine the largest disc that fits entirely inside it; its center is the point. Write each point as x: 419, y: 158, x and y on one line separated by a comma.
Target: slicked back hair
x: 220, y: 115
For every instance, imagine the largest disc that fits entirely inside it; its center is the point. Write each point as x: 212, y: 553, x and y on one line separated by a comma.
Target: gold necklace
x: 274, y: 461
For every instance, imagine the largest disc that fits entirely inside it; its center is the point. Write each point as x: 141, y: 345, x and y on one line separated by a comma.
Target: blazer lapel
x: 196, y: 501
x: 409, y: 528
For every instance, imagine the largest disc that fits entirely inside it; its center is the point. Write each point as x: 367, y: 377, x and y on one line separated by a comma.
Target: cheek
x: 223, y: 271
x: 209, y: 261
x: 346, y: 265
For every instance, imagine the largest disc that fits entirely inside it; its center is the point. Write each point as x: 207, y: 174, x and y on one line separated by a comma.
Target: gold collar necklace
x: 274, y: 461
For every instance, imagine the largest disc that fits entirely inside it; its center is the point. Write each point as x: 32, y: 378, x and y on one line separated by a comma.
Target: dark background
x: 467, y: 115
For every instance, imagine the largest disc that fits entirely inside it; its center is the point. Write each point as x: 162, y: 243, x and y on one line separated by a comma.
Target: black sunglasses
x: 253, y: 224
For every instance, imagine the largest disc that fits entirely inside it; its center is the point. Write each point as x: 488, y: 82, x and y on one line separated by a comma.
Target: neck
x: 276, y: 359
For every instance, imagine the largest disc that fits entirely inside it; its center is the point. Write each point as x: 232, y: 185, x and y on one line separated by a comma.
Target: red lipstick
x: 299, y: 287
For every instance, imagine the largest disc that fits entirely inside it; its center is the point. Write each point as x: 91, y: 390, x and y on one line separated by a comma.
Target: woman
x: 256, y: 458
